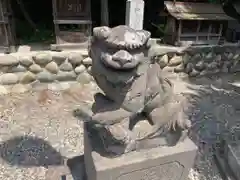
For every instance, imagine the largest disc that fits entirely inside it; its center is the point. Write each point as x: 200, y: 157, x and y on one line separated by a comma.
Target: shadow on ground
x: 29, y: 151
x: 214, y: 109
x: 77, y: 168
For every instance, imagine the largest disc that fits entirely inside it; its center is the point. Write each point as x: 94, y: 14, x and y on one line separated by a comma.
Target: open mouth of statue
x: 120, y: 60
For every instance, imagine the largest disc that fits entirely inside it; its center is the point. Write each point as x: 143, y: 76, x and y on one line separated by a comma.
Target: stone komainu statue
x: 133, y: 87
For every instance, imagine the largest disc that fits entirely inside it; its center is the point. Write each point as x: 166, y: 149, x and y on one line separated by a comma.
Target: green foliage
x: 27, y: 35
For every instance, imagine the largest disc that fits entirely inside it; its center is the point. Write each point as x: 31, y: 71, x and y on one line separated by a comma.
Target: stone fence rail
x: 48, y: 66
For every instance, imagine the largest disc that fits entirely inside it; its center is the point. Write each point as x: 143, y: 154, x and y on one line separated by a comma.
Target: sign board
x: 72, y: 8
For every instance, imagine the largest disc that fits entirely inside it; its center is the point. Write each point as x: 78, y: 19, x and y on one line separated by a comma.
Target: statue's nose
x: 122, y: 57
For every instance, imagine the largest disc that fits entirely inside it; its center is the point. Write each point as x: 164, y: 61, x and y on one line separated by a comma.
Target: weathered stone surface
x: 59, y: 57
x: 194, y: 73
x: 89, y: 70
x: 168, y: 69
x: 179, y: 68
x: 66, y: 76
x: 196, y: 58
x: 209, y: 56
x: 224, y: 57
x: 186, y: 58
x: 79, y: 69
x: 225, y: 68
x: 42, y: 58
x: 35, y: 68
x: 18, y: 68
x: 165, y: 163
x: 192, y: 50
x: 214, y: 71
x: 27, y: 78
x: 236, y: 56
x: 228, y: 64
x: 26, y: 61
x: 8, y: 60
x: 46, y: 76
x: 235, y: 65
x: 3, y: 90
x: 189, y: 68
x: 87, y: 61
x: 160, y: 50
x: 232, y: 155
x: 19, y: 88
x: 5, y: 69
x: 66, y: 66
x: 8, y: 79
x: 163, y: 61
x: 230, y: 56
x: 75, y: 58
x: 218, y: 58
x: 19, y: 74
x: 52, y: 67
x: 204, y: 72
x: 84, y: 78
x: 175, y: 61
x: 212, y: 65
x: 24, y: 49
x: 200, y: 65
x: 171, y: 55
x: 127, y: 77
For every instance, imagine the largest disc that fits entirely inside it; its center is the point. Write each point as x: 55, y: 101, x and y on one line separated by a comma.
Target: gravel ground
x: 37, y: 128
x: 214, y: 111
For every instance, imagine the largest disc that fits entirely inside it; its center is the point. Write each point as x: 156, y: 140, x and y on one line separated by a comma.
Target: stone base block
x: 168, y: 163
x: 233, y: 158
x: 227, y: 159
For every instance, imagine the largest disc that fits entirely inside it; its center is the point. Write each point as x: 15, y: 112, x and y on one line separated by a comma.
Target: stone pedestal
x: 227, y: 158
x: 168, y: 163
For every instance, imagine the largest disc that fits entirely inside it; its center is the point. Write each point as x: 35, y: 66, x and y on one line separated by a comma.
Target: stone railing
x: 200, y: 60
x: 48, y: 67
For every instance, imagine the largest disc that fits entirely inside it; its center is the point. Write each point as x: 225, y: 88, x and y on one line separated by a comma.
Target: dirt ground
x: 37, y: 128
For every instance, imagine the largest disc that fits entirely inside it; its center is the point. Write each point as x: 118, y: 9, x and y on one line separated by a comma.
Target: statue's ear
x: 101, y: 32
x: 145, y: 35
